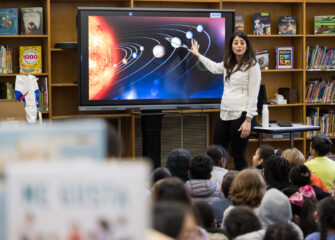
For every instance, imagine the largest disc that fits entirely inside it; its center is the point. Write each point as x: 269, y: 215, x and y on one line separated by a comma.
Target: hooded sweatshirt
x: 205, y: 190
x: 276, y: 208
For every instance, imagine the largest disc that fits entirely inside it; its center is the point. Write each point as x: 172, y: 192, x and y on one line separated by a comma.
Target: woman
x: 242, y: 77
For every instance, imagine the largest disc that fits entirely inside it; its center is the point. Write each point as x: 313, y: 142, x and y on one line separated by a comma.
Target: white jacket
x: 241, y: 90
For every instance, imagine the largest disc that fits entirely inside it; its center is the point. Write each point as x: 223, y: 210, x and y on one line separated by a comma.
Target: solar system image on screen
x: 144, y: 59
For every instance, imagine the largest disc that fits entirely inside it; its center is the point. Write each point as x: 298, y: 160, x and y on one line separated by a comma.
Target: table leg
x: 260, y: 137
x: 292, y: 139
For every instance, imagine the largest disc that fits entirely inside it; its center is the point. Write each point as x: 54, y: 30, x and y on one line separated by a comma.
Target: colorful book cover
x: 324, y: 24
x: 284, y: 57
x: 287, y: 25
x: 32, y: 21
x: 30, y: 59
x: 262, y: 24
x: 239, y: 22
x: 8, y: 21
x: 262, y: 57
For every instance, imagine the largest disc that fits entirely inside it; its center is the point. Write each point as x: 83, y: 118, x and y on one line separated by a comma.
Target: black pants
x: 226, y: 132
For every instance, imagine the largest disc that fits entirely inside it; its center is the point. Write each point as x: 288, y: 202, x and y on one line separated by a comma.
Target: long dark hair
x: 326, y: 213
x: 229, y: 57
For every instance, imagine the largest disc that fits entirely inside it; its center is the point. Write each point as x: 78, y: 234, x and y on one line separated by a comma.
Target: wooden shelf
x: 285, y: 105
x: 14, y: 74
x: 319, y: 104
x: 275, y: 36
x: 93, y: 116
x: 320, y: 35
x: 282, y: 70
x: 330, y: 137
x: 275, y: 140
x: 64, y: 84
x: 23, y: 36
x: 61, y: 50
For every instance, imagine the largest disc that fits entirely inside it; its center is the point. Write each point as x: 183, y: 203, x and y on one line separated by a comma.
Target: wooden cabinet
x: 60, y: 66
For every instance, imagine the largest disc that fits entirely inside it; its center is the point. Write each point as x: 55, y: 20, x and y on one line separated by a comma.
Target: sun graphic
x: 102, y: 57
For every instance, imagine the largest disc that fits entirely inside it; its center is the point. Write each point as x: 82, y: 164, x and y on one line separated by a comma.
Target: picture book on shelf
x: 8, y: 21
x: 287, y: 25
x: 239, y: 22
x: 30, y: 59
x: 284, y: 57
x: 32, y: 21
x: 262, y: 24
x: 262, y: 57
x: 324, y: 24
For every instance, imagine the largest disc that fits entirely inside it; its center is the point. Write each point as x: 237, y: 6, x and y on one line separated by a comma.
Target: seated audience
x: 242, y: 223
x: 200, y: 187
x: 320, y: 165
x: 295, y: 157
x: 170, y: 189
x: 158, y: 174
x: 247, y: 189
x: 178, y: 162
x: 276, y: 170
x: 282, y: 231
x: 262, y: 153
x: 208, y: 221
x: 276, y: 208
x: 219, y: 156
x: 326, y: 220
x: 300, y: 176
x: 175, y: 220
x: 227, y: 181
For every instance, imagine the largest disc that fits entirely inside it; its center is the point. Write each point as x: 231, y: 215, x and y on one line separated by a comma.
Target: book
x: 287, y: 25
x: 262, y: 24
x: 262, y: 57
x: 8, y: 21
x: 324, y: 24
x: 284, y: 57
x: 32, y: 21
x: 30, y: 59
x: 239, y: 22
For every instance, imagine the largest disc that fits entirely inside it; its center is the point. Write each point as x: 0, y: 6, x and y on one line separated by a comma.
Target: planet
x: 176, y: 42
x: 189, y: 35
x: 134, y: 55
x: 200, y: 28
x: 158, y: 51
x: 125, y: 61
x: 141, y: 48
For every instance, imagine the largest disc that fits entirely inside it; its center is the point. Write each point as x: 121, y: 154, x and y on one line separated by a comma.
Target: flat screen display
x: 131, y: 58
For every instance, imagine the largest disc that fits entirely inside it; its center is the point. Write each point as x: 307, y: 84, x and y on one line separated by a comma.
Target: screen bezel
x: 176, y: 103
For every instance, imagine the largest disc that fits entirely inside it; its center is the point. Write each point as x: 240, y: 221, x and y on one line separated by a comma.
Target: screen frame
x: 141, y: 104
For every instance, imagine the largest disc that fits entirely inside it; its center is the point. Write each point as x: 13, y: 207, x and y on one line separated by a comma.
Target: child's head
x: 227, y: 181
x: 170, y: 189
x: 178, y: 162
x: 218, y: 154
x: 300, y: 176
x: 247, y: 188
x: 326, y: 212
x: 261, y: 154
x: 294, y: 157
x: 201, y: 167
x: 158, y: 174
x: 174, y: 219
x: 276, y: 170
x: 320, y: 145
x: 241, y: 220
x: 281, y: 231
x: 206, y: 214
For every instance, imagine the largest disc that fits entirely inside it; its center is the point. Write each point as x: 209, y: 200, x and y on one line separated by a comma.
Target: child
x: 261, y: 154
x: 326, y: 219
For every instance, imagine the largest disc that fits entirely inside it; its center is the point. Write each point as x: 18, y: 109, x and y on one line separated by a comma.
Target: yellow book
x: 30, y: 59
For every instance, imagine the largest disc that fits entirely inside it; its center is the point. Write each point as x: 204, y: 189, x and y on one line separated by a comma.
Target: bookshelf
x: 60, y: 66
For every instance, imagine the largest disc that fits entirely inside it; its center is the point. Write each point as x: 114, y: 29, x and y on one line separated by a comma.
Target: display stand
x: 151, y: 124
